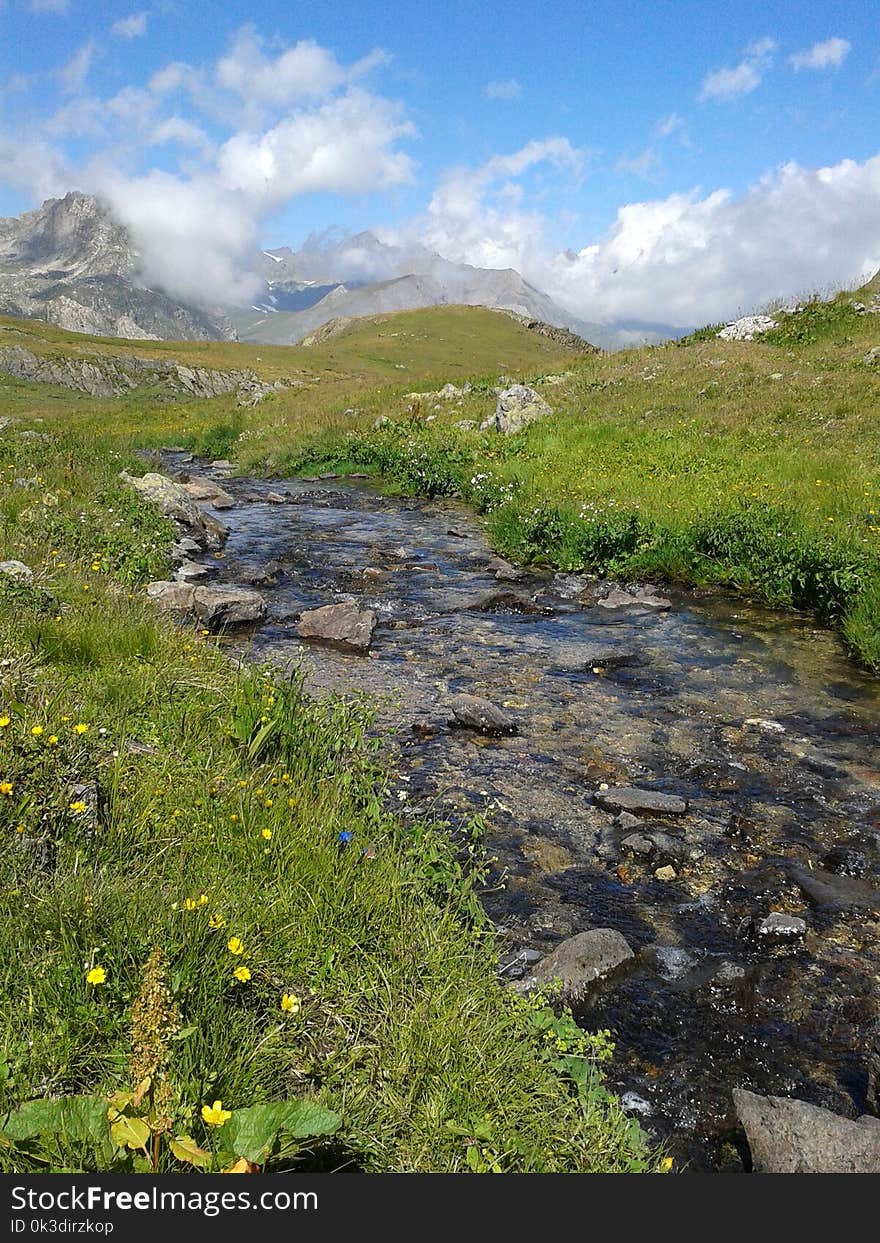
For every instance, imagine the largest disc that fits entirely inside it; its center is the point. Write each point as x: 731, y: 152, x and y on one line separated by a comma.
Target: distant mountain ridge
x: 70, y: 262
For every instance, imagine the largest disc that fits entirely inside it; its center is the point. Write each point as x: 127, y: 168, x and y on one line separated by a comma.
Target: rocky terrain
x: 71, y: 263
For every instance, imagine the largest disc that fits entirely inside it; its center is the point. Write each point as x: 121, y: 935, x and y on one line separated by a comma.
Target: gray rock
x: 503, y: 570
x: 171, y: 597
x: 872, y: 358
x: 518, y: 406
x: 275, y: 498
x: 474, y: 712
x: 643, y: 599
x: 581, y: 961
x: 628, y: 798
x: 780, y: 927
x: 174, y: 501
x: 202, y: 489
x: 747, y: 328
x: 346, y: 625
x: 191, y: 572
x: 185, y: 548
x: 228, y: 606
x: 632, y: 1103
x: 17, y: 571
x: 638, y: 844
x: 793, y: 1137
x: 86, y: 792
x: 832, y: 892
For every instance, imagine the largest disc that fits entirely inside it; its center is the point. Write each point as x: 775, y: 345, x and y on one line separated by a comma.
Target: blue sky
x: 652, y: 141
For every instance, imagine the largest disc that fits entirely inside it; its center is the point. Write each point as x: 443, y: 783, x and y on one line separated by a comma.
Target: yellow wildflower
x: 97, y: 975
x: 203, y: 899
x: 37, y: 730
x: 6, y: 787
x: 81, y: 728
x: 290, y: 1003
x: 4, y: 721
x: 242, y: 974
x: 215, y: 1115
x: 266, y: 833
x: 235, y: 945
x: 216, y: 921
x: 666, y: 1165
x: 52, y: 740
x: 77, y: 807
x: 190, y: 904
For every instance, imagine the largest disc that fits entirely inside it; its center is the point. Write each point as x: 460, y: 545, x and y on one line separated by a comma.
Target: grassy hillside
x: 202, y: 896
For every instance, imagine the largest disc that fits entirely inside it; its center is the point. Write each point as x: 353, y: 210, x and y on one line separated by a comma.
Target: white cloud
x: 239, y: 138
x: 73, y: 75
x: 645, y: 165
x: 506, y: 88
x: 303, y: 71
x: 668, y: 125
x: 828, y: 55
x: 346, y: 145
x: 727, y: 83
x: 683, y: 260
x: 132, y: 27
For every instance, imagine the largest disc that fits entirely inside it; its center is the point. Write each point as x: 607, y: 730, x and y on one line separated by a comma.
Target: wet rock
x: 778, y: 926
x: 762, y: 724
x: 504, y: 602
x: 632, y: 1103
x: 834, y: 893
x: 474, y: 712
x: 264, y: 575
x: 514, y: 965
x: 643, y: 599
x: 504, y: 571
x: 665, y: 873
x: 171, y: 597
x: 517, y: 407
x: 191, y: 572
x: 605, y: 658
x: 17, y: 571
x: 653, y: 802
x: 222, y: 464
x: 275, y: 498
x: 201, y: 488
x: 793, y: 1137
x: 345, y: 624
x: 581, y: 961
x: 638, y: 844
x: 845, y: 860
x: 228, y: 606
x: 185, y: 548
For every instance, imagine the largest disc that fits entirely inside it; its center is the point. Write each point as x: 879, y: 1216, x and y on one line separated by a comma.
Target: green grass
x: 220, y: 795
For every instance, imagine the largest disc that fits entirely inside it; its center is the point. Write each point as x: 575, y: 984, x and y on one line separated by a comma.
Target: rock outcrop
x: 747, y: 328
x: 174, y: 502
x: 516, y: 408
x: 112, y: 375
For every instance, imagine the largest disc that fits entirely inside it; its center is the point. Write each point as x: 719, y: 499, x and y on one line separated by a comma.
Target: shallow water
x: 705, y: 1008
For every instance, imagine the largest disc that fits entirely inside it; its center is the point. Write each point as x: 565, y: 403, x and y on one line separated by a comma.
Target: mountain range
x: 72, y: 263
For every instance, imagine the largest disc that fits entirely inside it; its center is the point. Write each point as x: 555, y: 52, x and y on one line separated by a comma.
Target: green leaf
x: 186, y: 1149
x: 251, y: 1132
x: 79, y: 1118
x: 130, y: 1133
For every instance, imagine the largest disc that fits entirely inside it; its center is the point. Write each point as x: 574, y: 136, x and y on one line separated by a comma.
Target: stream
x: 756, y: 718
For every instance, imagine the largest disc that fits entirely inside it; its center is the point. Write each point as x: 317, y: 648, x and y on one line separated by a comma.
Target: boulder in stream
x: 793, y: 1137
x: 474, y: 712
x: 171, y: 597
x: 345, y: 625
x: 644, y: 598
x: 228, y: 606
x: 628, y: 798
x: 580, y: 962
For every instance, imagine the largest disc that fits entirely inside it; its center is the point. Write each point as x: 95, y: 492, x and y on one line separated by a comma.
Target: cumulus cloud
x: 506, y: 88
x: 727, y: 83
x: 238, y: 138
x: 682, y: 260
x: 828, y: 55
x: 132, y: 27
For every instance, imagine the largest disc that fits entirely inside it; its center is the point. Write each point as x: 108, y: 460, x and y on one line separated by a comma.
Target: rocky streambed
x: 695, y: 776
